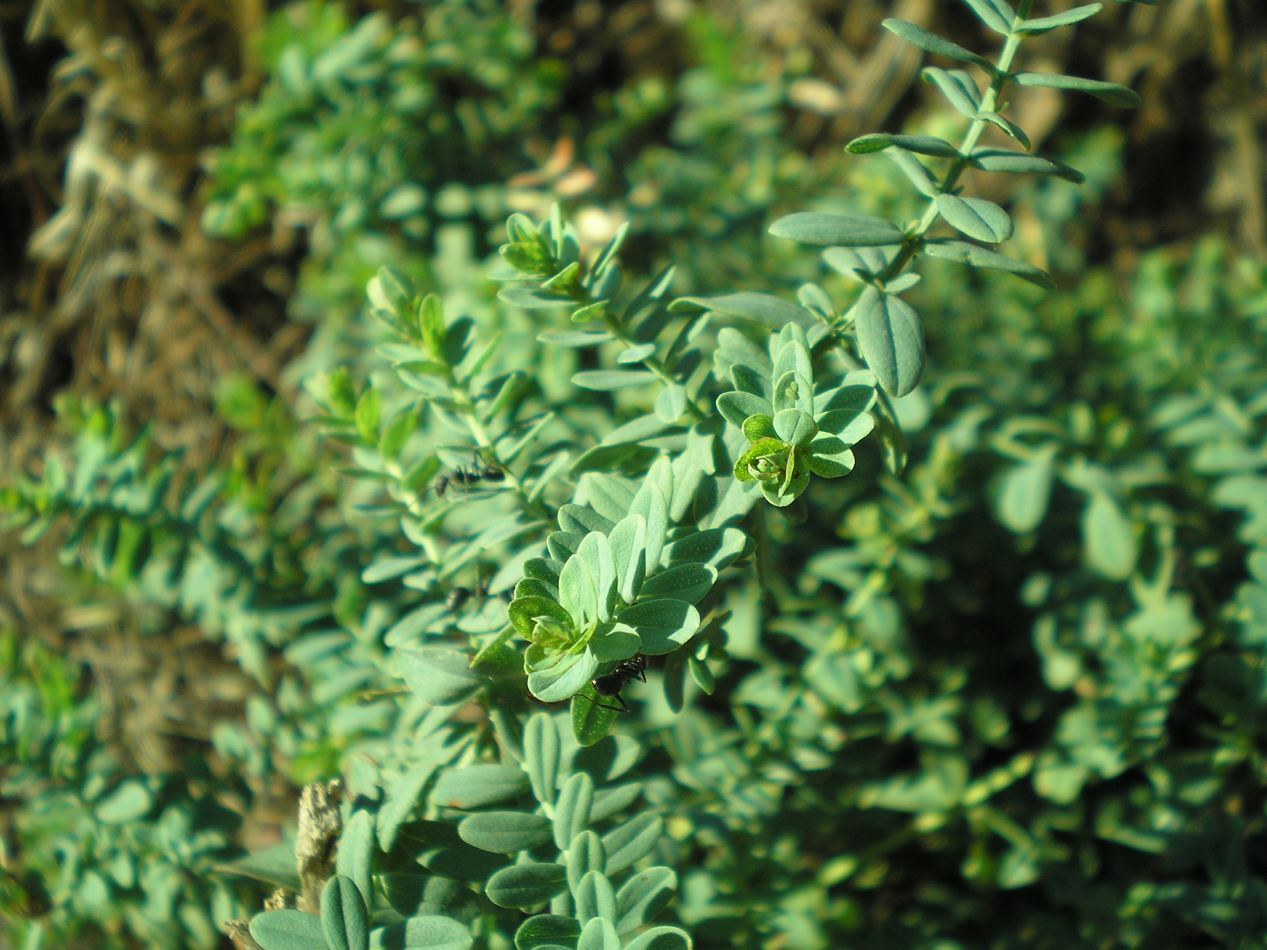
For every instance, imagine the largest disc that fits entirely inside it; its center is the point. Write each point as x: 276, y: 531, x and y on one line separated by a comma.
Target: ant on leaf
x: 610, y: 684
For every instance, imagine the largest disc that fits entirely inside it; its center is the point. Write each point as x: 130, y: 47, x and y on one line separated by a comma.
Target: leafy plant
x: 887, y: 329
x: 375, y: 135
x: 526, y: 829
x: 651, y: 523
x: 1005, y: 676
x: 105, y: 852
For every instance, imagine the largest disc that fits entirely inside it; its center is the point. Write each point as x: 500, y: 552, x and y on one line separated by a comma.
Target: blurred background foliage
x: 1015, y: 696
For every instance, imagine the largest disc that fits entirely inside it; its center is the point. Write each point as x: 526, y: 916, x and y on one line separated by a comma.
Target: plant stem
x: 914, y: 240
x: 462, y: 397
x: 583, y: 297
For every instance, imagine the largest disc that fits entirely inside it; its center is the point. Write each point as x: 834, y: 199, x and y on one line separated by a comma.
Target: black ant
x: 469, y: 476
x: 610, y: 684
x: 460, y: 595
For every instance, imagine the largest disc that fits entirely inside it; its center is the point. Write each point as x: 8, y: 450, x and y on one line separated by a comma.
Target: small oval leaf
x: 1025, y: 495
x: 429, y: 932
x: 663, y: 624
x: 547, y: 930
x: 979, y: 219
x: 891, y: 340
x: 631, y: 842
x: 504, y: 832
x: 837, y: 230
x: 475, y: 786
x: 1109, y: 544
x: 287, y: 930
x: 526, y: 885
x: 344, y: 917
x: 643, y: 896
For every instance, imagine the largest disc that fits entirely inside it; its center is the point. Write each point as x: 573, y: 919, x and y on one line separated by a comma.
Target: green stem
x: 653, y: 363
x: 462, y: 397
x: 914, y: 240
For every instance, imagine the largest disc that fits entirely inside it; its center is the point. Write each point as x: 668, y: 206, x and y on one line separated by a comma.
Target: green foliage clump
x: 106, y: 855
x: 187, y: 544
x: 527, y: 829
x: 374, y: 134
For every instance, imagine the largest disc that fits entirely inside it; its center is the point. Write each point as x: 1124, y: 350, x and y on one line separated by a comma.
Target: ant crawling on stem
x: 458, y: 596
x: 478, y: 472
x: 610, y: 684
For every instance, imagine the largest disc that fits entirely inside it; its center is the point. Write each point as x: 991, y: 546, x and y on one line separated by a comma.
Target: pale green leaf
x: 526, y: 885
x: 504, y: 832
x: 1036, y: 25
x: 344, y: 917
x: 932, y: 43
x: 958, y: 88
x: 996, y: 14
x: 1109, y: 92
x: 837, y: 230
x: 1109, y: 543
x: 979, y: 219
x: 976, y: 256
x: 891, y: 340
x: 567, y: 676
x: 288, y: 930
x: 921, y: 144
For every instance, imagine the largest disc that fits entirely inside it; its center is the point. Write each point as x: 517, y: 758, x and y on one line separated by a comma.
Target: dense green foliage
x: 951, y: 588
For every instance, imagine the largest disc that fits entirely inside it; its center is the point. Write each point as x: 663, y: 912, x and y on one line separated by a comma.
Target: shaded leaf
x: 662, y: 624
x: 437, y: 676
x: 916, y: 172
x: 632, y: 842
x: 542, y: 757
x: 642, y: 897
x: 572, y: 808
x: 715, y: 546
x: 547, y: 930
x: 975, y: 256
x: 685, y: 582
x: 526, y: 885
x: 592, y: 716
x: 599, y: 934
x: 661, y: 938
x: 958, y: 88
x: 921, y: 144
x: 344, y: 917
x: 595, y: 897
x: 735, y: 407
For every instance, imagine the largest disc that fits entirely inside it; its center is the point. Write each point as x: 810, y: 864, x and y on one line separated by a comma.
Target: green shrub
x: 371, y: 135
x: 952, y: 641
